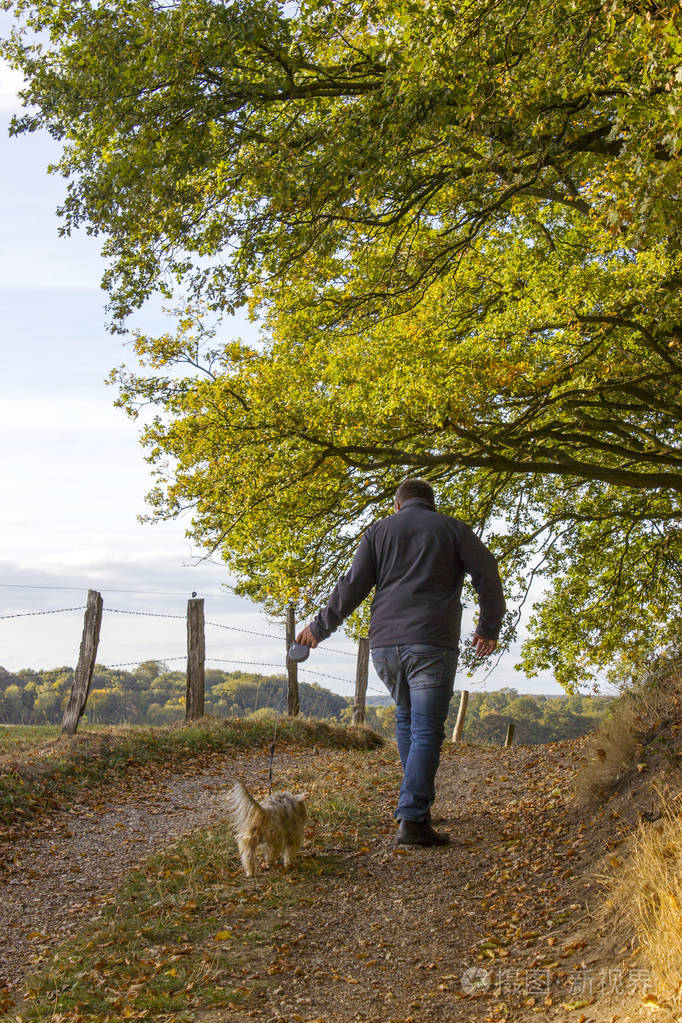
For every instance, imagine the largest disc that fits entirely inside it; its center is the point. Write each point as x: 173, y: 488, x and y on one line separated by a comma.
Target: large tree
x: 459, y: 228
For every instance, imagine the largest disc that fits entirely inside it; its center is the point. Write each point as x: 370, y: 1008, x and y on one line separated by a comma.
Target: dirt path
x: 69, y: 867
x: 483, y: 929
x: 430, y: 934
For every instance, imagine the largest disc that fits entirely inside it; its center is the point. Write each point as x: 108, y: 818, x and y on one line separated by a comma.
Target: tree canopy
x: 458, y: 227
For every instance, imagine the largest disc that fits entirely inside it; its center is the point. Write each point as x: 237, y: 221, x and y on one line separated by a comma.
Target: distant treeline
x: 537, y: 718
x: 152, y: 695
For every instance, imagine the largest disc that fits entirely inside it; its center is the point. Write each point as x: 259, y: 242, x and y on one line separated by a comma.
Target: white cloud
x: 154, y: 586
x: 10, y: 83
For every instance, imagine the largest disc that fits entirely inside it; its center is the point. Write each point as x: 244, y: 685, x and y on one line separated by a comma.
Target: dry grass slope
x: 635, y: 767
x: 647, y: 892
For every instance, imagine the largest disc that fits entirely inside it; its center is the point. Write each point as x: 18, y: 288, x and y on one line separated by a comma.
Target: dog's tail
x: 243, y: 810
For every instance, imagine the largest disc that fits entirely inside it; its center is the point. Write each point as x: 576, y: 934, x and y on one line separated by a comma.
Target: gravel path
x: 409, y: 933
x: 63, y: 873
x: 481, y: 929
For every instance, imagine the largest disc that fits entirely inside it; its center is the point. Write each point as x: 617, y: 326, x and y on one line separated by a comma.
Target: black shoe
x: 420, y: 833
x: 433, y: 820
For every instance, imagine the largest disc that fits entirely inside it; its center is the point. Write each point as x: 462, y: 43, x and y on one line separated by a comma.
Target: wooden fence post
x: 361, y: 673
x: 509, y: 737
x: 196, y: 656
x: 86, y: 664
x: 461, y: 714
x: 293, y: 705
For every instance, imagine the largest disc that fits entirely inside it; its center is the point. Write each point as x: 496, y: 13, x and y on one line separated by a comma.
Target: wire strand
x: 216, y: 625
x: 129, y: 664
x: 272, y: 664
x: 143, y: 614
x: 251, y: 632
x: 31, y: 614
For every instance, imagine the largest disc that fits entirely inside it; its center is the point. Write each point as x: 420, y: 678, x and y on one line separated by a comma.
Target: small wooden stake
x: 82, y: 678
x: 459, y: 726
x: 509, y: 738
x: 361, y: 673
x: 293, y: 705
x: 196, y: 656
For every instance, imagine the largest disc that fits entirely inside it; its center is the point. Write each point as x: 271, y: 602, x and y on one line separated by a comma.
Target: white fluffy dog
x: 274, y: 826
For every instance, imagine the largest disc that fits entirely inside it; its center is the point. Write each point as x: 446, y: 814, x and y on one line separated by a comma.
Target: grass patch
x: 188, y: 932
x: 21, y: 737
x: 637, y: 756
x: 32, y: 738
x: 51, y: 774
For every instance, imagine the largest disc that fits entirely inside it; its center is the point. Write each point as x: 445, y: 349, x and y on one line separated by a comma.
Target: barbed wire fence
x: 88, y: 668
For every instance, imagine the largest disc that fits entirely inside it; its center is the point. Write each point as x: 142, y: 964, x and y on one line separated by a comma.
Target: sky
x: 74, y: 477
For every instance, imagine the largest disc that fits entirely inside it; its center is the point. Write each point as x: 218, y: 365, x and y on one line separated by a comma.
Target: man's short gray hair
x: 415, y: 488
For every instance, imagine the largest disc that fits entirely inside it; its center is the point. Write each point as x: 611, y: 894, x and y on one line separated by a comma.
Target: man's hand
x: 306, y: 638
x: 483, y: 647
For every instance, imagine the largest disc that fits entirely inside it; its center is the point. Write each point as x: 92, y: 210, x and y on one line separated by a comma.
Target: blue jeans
x: 420, y: 678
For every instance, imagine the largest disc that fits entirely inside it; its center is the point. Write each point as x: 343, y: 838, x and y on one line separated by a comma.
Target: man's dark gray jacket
x: 417, y: 560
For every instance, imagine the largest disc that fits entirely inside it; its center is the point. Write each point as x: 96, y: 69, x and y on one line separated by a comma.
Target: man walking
x: 416, y: 559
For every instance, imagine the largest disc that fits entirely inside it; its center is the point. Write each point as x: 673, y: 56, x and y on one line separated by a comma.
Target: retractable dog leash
x: 297, y: 652
x: 272, y: 757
